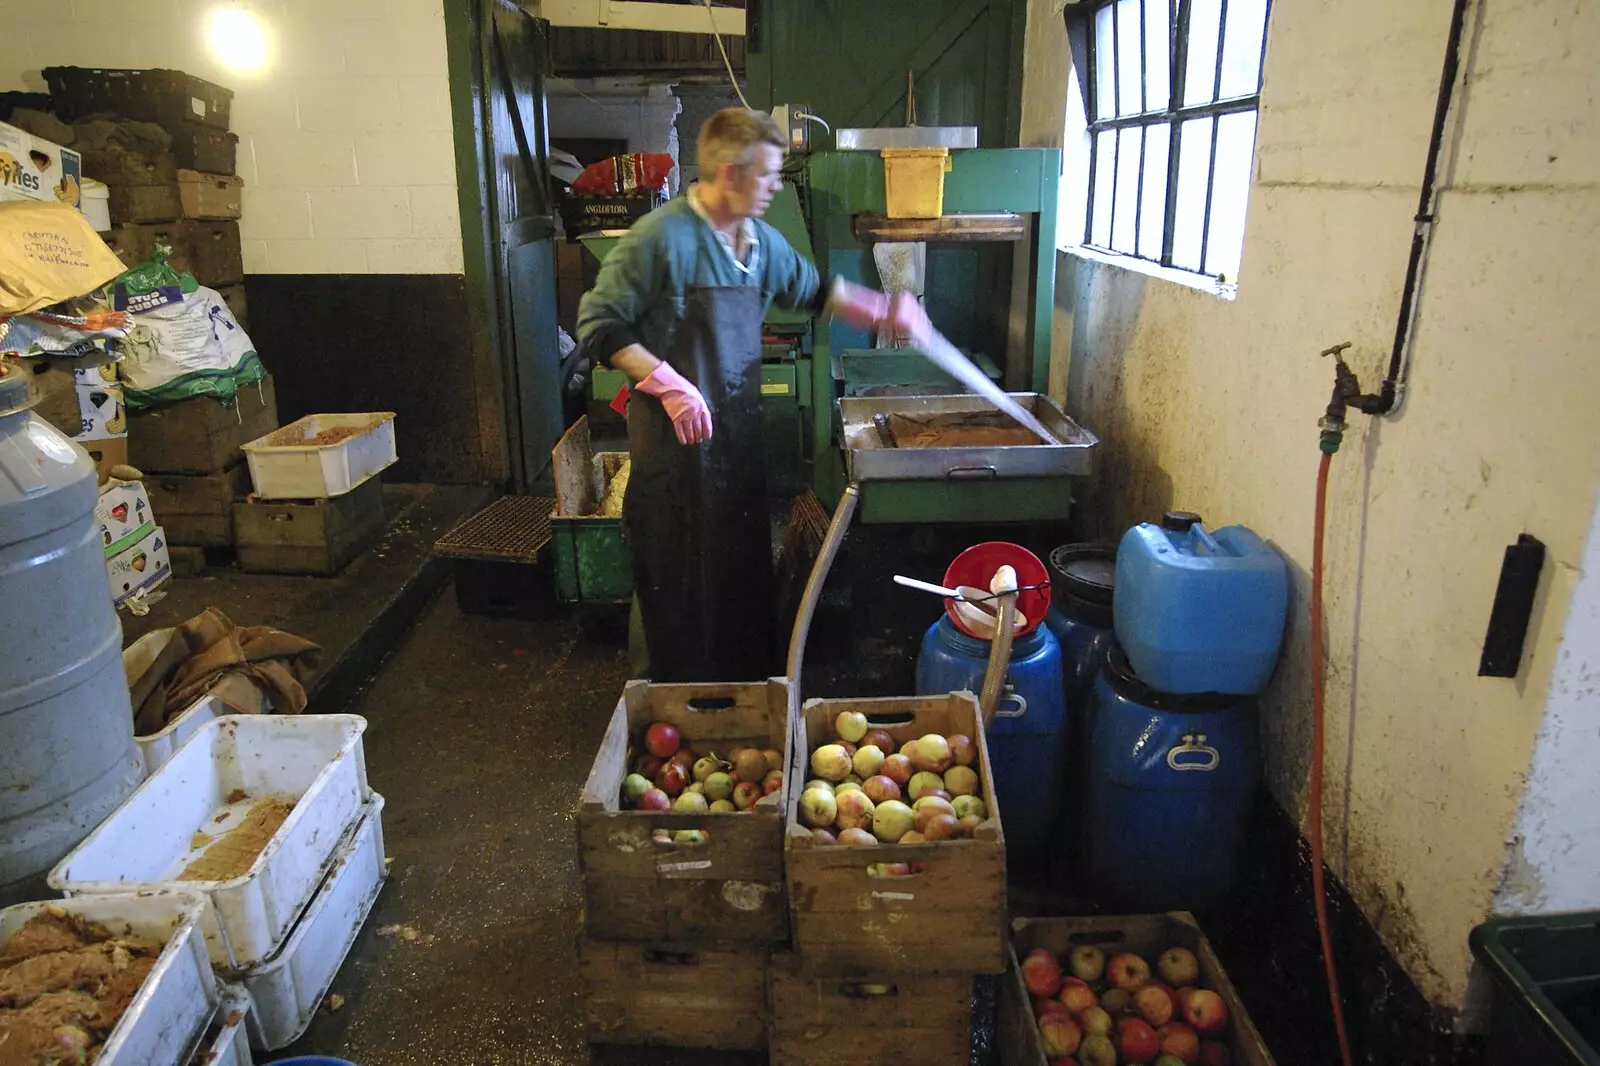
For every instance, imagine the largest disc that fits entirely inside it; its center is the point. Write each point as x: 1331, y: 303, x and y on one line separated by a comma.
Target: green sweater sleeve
x: 794, y: 283
x: 611, y: 315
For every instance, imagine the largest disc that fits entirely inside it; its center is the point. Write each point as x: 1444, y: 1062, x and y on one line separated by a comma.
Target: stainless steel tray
x: 869, y: 460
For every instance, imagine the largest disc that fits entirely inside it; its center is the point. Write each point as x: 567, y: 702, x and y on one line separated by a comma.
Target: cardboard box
x: 125, y: 517
x: 104, y: 374
x: 210, y: 195
x: 106, y: 454
x: 141, y: 568
x: 32, y: 168
x: 102, y: 411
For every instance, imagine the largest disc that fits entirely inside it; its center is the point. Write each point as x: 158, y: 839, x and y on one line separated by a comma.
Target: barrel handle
x: 1193, y: 754
x: 1014, y: 703
x: 1207, y: 543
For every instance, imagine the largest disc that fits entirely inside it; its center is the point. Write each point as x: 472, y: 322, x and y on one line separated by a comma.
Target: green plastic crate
x: 1546, y: 972
x: 591, y: 563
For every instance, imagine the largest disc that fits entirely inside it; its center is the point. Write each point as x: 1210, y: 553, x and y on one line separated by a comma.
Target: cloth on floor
x: 245, y: 667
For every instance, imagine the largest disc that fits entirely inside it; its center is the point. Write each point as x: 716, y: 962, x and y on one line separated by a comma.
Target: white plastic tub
x: 288, y: 988
x: 316, y: 761
x: 285, y: 465
x: 166, y: 1020
x: 230, y: 1044
x: 158, y: 747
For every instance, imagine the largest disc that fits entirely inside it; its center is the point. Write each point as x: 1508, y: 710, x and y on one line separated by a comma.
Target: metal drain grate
x: 512, y: 529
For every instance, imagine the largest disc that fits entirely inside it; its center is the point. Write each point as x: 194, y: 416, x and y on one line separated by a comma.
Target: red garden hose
x: 1314, y: 829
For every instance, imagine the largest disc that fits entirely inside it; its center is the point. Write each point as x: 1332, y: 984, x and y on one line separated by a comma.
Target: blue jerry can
x: 1171, y: 782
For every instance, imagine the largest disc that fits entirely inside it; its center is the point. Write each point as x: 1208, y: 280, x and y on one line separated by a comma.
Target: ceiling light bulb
x: 237, y: 39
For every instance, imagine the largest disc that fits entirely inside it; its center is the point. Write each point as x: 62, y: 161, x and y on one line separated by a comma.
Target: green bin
x: 591, y: 562
x: 1546, y: 972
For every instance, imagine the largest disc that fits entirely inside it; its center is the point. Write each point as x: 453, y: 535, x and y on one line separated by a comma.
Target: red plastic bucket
x: 977, y: 565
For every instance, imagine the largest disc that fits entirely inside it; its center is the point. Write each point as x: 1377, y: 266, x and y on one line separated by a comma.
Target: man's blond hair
x: 730, y: 137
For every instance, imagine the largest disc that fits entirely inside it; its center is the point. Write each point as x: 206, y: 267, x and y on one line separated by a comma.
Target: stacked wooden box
x: 888, y: 938
x: 194, y: 470
x: 676, y: 939
x: 188, y: 196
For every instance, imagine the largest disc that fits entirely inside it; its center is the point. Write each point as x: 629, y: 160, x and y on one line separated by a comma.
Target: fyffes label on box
x: 36, y: 169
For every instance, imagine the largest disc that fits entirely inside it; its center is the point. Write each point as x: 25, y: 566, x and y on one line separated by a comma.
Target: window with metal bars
x: 1172, y: 88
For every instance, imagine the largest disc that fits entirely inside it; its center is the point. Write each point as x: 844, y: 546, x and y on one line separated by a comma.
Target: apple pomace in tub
x: 65, y: 982
x: 234, y: 852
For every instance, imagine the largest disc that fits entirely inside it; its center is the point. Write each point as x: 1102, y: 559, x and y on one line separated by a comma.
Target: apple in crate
x: 962, y: 749
x: 880, y: 739
x: 1041, y: 973
x: 1136, y: 1041
x: 898, y: 769
x: 772, y: 782
x: 1206, y: 1011
x: 662, y: 740
x: 1154, y: 1004
x: 1128, y: 972
x: 1059, y: 1035
x: 961, y: 781
x: 1086, y: 961
x: 854, y: 811
x: 1215, y: 1053
x: 818, y: 808
x: 850, y: 725
x: 1095, y: 1020
x: 891, y: 821
x: 745, y: 795
x: 672, y: 779
x: 1078, y: 996
x: 1178, y: 967
x: 1179, y: 1041
x: 831, y: 762
x: 932, y: 754
x: 654, y: 800
x: 866, y: 761
x: 1097, y: 1051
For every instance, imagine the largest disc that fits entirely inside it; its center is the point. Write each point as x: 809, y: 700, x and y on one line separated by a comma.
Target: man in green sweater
x: 678, y: 307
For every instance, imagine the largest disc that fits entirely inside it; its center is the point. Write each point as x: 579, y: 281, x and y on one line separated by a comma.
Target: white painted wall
x: 1213, y: 406
x: 345, y: 144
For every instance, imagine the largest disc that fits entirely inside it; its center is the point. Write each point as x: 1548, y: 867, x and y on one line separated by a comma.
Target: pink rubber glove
x: 691, y: 418
x: 858, y: 305
x: 906, y: 317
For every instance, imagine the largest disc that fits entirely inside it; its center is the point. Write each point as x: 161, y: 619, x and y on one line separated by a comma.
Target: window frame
x: 1173, y: 117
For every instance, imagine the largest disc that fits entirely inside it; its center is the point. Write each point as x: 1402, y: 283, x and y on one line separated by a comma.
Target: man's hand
x: 691, y: 418
x: 907, y: 318
x: 868, y: 309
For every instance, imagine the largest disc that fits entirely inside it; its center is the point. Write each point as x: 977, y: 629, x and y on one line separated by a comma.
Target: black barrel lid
x: 1086, y: 571
x: 1179, y: 521
x: 1119, y: 672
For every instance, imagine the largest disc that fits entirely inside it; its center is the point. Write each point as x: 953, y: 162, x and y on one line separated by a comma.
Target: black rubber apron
x: 696, y: 515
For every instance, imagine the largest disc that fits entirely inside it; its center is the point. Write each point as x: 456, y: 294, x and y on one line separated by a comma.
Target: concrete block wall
x: 345, y: 134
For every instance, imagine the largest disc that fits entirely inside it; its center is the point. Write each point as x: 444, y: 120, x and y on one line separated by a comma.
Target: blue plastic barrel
x: 1171, y: 782
x: 1082, y: 580
x: 1199, y: 611
x: 1027, y: 743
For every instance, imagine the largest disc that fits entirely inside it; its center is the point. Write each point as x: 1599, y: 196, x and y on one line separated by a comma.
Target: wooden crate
x: 948, y: 918
x: 674, y: 995
x: 308, y: 536
x: 1144, y: 934
x: 728, y: 890
x: 201, y: 435
x: 832, y: 1021
x: 144, y: 203
x: 197, y: 509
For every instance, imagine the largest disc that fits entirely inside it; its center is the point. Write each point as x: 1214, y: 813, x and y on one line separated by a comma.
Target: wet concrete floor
x: 480, y: 733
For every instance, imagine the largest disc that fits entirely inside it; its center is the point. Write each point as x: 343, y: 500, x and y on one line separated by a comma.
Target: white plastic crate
x: 158, y: 747
x: 285, y: 465
x: 229, y: 1036
x: 288, y: 988
x: 167, y: 1019
x: 315, y: 760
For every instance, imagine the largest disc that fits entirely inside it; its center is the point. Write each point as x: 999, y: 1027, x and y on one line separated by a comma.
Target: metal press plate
x: 869, y: 460
x: 872, y: 138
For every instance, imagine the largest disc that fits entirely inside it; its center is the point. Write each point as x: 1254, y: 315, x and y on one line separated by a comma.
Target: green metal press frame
x: 842, y: 185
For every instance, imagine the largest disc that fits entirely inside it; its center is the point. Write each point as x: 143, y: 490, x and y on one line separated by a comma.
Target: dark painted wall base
x: 378, y: 342
x: 1267, y: 939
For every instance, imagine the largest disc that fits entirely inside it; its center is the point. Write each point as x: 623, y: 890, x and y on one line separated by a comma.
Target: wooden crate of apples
x: 1110, y: 991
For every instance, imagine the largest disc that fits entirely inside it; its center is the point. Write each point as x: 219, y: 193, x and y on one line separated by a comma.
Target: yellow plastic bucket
x: 913, y: 178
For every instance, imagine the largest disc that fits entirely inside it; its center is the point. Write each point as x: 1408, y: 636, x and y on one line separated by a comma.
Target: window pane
x: 1200, y: 75
x: 1230, y: 192
x: 1153, y: 197
x: 1130, y: 68
x: 1127, y: 211
x: 1188, y: 223
x: 1241, y: 49
x: 1157, y: 54
x: 1104, y: 160
x: 1105, y: 86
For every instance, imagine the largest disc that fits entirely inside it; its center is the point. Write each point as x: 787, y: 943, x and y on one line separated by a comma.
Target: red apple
x: 1078, y: 996
x: 1206, y: 1011
x: 1087, y: 962
x: 1128, y: 972
x: 962, y: 749
x: 880, y: 739
x: 686, y: 758
x: 1041, y: 1007
x: 1096, y: 1020
x: 1059, y: 1035
x: 898, y: 769
x: 1181, y: 998
x: 1097, y: 1051
x: 662, y: 740
x: 1178, y: 967
x: 772, y: 782
x: 1041, y: 973
x: 849, y: 747
x: 745, y: 794
x: 654, y: 800
x: 1116, y: 1001
x: 1154, y: 1004
x: 647, y: 765
x: 672, y: 779
x: 880, y: 787
x: 1215, y: 1053
x: 1179, y: 1041
x: 1136, y: 1041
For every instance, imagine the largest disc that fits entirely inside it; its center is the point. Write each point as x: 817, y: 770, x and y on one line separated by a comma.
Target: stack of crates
x: 187, y: 197
x: 887, y: 938
x: 679, y: 927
